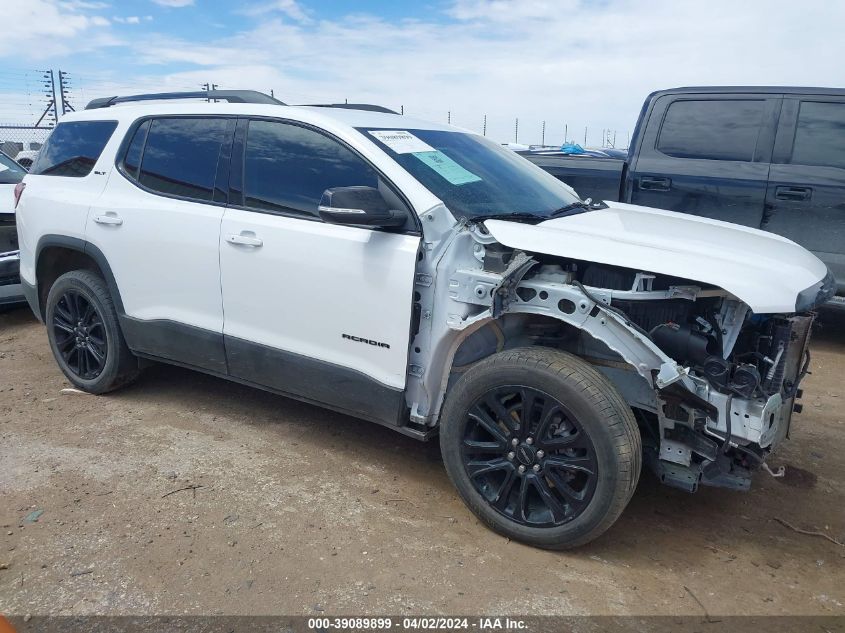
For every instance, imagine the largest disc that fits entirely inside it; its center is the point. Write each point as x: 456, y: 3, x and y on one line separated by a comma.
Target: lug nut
x: 529, y: 441
x: 511, y: 455
x: 514, y: 441
x: 522, y: 469
x: 536, y: 468
x: 540, y: 454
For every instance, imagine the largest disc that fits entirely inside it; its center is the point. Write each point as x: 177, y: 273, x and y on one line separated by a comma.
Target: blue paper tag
x: 446, y: 167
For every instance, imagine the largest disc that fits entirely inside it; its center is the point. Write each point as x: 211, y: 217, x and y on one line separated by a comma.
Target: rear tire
x: 85, y: 335
x: 555, y: 478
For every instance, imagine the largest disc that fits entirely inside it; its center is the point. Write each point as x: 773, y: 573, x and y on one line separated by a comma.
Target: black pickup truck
x: 766, y: 157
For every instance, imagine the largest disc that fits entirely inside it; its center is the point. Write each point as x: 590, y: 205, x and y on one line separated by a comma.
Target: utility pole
x: 64, y: 87
x: 516, y: 131
x: 402, y: 110
x: 449, y: 117
x: 543, y: 135
x: 49, y: 84
x: 585, y: 135
x: 484, y: 129
x: 565, y: 132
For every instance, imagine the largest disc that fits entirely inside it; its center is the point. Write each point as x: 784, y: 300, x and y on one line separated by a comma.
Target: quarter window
x: 180, y: 156
x: 820, y: 135
x: 712, y: 129
x: 287, y: 168
x: 73, y: 148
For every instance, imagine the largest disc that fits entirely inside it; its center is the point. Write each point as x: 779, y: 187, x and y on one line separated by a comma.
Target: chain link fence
x: 23, y: 142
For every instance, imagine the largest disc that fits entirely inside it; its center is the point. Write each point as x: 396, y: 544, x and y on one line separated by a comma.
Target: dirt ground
x: 296, y: 510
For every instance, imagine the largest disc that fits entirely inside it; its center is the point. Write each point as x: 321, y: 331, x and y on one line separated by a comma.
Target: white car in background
x: 11, y: 173
x: 28, y: 154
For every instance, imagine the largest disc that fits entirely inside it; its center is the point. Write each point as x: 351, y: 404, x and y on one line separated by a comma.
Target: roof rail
x: 353, y: 106
x: 232, y: 96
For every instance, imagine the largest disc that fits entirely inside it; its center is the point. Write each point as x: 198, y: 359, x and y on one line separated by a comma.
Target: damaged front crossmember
x: 724, y: 431
x: 685, y: 456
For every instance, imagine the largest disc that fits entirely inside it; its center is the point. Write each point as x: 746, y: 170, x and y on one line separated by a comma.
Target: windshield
x: 473, y: 176
x: 10, y: 171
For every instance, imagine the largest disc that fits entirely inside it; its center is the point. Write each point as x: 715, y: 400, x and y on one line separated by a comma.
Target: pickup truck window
x: 712, y: 129
x: 288, y: 167
x: 820, y: 135
x: 472, y: 175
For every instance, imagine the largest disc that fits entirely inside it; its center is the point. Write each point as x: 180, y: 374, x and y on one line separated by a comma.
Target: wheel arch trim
x: 81, y: 246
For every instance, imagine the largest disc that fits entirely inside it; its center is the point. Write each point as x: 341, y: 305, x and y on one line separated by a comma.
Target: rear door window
x: 180, y: 156
x: 820, y: 135
x: 712, y: 129
x: 132, y: 160
x: 73, y: 148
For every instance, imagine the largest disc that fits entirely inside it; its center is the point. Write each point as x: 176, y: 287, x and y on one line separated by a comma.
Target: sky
x: 574, y: 64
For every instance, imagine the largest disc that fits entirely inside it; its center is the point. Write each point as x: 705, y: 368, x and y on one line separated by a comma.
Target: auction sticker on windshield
x: 446, y: 167
x: 401, y: 141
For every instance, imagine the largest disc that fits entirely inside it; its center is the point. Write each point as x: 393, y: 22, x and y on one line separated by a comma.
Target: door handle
x: 651, y: 183
x: 793, y: 193
x: 245, y: 240
x: 109, y: 219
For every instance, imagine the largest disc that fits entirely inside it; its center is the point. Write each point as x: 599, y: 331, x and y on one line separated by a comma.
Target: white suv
x: 427, y: 279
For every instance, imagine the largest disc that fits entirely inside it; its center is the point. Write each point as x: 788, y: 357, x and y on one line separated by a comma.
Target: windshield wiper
x: 516, y: 215
x: 573, y: 209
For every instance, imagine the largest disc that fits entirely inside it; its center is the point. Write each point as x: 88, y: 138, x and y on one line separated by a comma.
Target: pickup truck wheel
x: 541, y: 447
x: 84, y: 333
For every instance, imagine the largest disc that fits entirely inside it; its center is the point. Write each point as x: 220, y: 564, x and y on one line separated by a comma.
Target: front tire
x: 541, y: 447
x: 84, y: 333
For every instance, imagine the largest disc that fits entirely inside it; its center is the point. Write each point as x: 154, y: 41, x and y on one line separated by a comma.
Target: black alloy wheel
x: 80, y: 334
x: 529, y: 457
x: 540, y: 446
x: 85, y: 334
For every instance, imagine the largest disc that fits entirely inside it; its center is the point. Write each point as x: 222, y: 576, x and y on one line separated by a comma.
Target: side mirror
x: 359, y: 206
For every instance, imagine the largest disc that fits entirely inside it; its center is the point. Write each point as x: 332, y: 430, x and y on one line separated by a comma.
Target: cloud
x: 81, y: 5
x: 570, y: 63
x: 289, y: 8
x: 54, y: 29
x: 176, y: 4
x: 132, y: 19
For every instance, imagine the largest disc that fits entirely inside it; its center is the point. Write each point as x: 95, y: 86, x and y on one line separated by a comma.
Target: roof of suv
x: 318, y: 115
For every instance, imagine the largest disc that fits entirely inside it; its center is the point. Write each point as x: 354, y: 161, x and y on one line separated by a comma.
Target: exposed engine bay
x: 747, y: 367
x: 713, y: 385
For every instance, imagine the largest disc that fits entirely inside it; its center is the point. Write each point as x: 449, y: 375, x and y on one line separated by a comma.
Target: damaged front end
x: 745, y: 395
x: 713, y: 385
